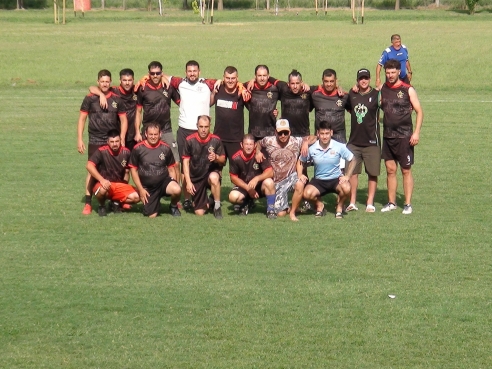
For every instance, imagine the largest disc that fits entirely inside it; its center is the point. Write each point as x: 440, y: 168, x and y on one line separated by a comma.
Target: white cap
x: 282, y: 125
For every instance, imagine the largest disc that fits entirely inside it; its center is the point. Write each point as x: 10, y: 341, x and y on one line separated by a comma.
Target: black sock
x: 88, y: 199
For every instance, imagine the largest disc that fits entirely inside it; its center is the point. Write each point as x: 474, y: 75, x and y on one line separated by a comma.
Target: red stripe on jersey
x: 91, y: 162
x: 397, y: 85
x: 245, y: 158
x: 172, y: 165
x: 185, y: 157
x: 121, y: 114
x: 257, y: 86
x: 322, y: 90
x: 233, y: 175
x: 239, y: 152
x: 267, y: 169
x: 84, y: 112
x: 152, y: 86
x: 175, y: 81
x: 131, y: 165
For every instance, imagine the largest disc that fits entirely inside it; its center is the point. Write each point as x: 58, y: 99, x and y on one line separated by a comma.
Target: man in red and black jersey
x: 101, y: 121
x: 109, y: 166
x: 229, y: 112
x: 251, y: 179
x: 261, y: 106
x: 364, y: 141
x: 203, y: 158
x: 398, y: 101
x: 129, y: 99
x: 329, y: 105
x: 154, y: 99
x: 153, y: 170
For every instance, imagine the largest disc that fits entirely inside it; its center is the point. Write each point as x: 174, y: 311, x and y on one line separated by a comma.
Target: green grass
x: 130, y: 292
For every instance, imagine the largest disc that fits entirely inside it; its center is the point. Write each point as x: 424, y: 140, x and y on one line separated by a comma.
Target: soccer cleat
x: 175, y: 211
x: 115, y: 206
x: 351, y: 207
x: 87, y: 209
x: 407, y: 209
x: 102, y: 211
x: 187, y: 205
x: 244, y: 210
x: 388, y: 207
x: 370, y: 209
x: 237, y: 208
x: 218, y: 213
x: 320, y: 213
x: 271, y: 214
x: 306, y: 206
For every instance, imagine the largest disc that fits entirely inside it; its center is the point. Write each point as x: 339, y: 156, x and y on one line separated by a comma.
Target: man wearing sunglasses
x: 284, y: 150
x: 364, y: 141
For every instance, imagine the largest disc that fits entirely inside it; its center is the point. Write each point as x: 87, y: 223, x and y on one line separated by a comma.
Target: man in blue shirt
x: 328, y: 178
x: 399, y: 52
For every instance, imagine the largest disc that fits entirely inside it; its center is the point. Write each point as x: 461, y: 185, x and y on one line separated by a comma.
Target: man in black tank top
x: 398, y: 101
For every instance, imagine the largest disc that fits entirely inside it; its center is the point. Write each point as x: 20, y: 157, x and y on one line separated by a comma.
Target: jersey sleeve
x: 346, y: 154
x: 210, y: 83
x: 219, y: 149
x: 174, y: 95
x: 96, y: 158
x: 175, y: 81
x: 140, y: 97
x: 86, y: 104
x: 170, y: 162
x: 134, y: 159
x: 383, y: 59
x: 233, y: 168
x: 265, y: 164
x: 121, y: 106
x: 187, y: 149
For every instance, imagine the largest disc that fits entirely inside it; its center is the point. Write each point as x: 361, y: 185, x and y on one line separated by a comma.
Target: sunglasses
x: 283, y: 133
x: 155, y: 73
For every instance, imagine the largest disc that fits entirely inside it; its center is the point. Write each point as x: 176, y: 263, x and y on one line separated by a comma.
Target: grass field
x: 130, y: 292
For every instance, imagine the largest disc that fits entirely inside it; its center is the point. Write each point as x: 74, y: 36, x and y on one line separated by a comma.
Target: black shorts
x: 154, y: 200
x: 246, y: 194
x: 231, y: 148
x: 325, y: 186
x: 200, y: 199
x: 92, y: 149
x: 399, y: 150
x: 181, y: 138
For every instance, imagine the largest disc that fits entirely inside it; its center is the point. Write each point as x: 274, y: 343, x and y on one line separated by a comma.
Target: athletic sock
x: 88, y: 199
x: 270, y: 201
x: 217, y: 204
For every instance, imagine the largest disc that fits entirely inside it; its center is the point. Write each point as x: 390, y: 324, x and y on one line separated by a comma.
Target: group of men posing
x: 130, y: 132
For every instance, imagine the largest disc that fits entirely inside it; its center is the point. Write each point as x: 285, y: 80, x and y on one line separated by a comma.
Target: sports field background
x: 244, y: 292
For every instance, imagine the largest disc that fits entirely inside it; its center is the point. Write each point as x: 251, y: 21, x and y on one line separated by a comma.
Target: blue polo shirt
x: 327, y: 162
x: 400, y: 55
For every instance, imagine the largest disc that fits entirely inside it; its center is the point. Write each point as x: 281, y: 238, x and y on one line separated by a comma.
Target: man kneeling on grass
x: 251, y: 179
x: 153, y: 171
x: 326, y: 154
x: 108, y: 165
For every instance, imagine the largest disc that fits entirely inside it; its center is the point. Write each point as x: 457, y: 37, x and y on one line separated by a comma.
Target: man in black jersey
x: 364, y: 141
x: 109, y: 166
x: 153, y: 170
x: 398, y: 101
x: 101, y: 121
x: 261, y: 106
x: 129, y: 98
x: 229, y: 112
x: 251, y: 179
x: 203, y: 158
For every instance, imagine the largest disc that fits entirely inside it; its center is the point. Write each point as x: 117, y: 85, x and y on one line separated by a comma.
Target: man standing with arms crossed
x: 101, y: 121
x: 364, y: 141
x: 398, y: 101
x: 399, y: 52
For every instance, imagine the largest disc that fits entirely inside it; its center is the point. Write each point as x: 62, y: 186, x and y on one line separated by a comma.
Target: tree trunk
x: 267, y: 4
x: 437, y: 3
x: 397, y: 5
x: 185, y: 4
x: 102, y: 4
x: 220, y: 5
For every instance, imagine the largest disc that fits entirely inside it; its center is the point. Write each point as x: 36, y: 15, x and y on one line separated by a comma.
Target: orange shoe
x: 87, y: 209
x: 126, y: 206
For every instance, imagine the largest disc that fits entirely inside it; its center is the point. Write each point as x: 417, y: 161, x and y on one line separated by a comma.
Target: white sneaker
x: 351, y: 207
x: 407, y: 209
x: 370, y: 209
x: 388, y: 207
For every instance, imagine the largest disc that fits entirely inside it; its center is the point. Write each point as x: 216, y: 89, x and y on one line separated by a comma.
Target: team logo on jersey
x: 134, y: 97
x: 304, y: 96
x: 123, y: 163
x: 269, y: 95
x: 114, y: 104
x: 400, y: 95
x: 211, y: 149
x: 199, y: 88
x: 333, y: 152
x: 165, y: 93
x: 360, y: 112
x: 256, y: 166
x: 339, y: 102
x: 162, y: 156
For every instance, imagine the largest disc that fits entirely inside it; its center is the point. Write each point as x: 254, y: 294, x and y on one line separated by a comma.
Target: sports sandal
x: 351, y: 207
x: 339, y: 215
x: 320, y: 213
x: 370, y: 209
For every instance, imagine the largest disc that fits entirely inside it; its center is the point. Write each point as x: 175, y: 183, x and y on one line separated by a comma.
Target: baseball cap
x: 282, y: 125
x: 363, y: 73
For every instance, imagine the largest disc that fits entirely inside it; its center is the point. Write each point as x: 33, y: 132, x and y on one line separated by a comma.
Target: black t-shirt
x: 397, y: 109
x: 261, y: 106
x: 295, y: 108
x: 112, y: 166
x: 229, y: 116
x: 101, y: 121
x: 129, y: 100
x: 246, y: 168
x: 156, y: 104
x: 152, y: 163
x: 364, y: 110
x: 197, y: 150
x: 330, y: 108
